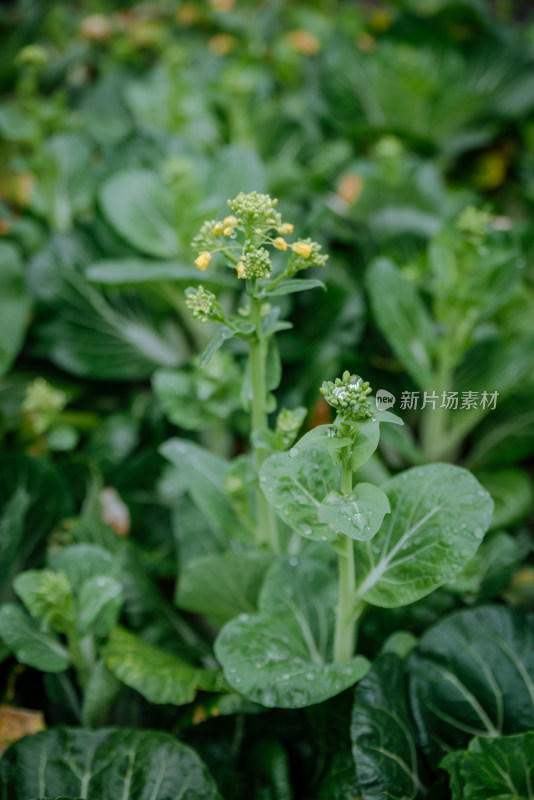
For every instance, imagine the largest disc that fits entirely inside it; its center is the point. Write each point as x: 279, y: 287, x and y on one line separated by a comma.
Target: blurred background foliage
x: 123, y: 127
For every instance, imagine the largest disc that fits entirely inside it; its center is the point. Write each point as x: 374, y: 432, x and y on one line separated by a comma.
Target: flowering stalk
x: 348, y: 395
x: 246, y: 239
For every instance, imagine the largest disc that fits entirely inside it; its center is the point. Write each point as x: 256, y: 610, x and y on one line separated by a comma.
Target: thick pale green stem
x: 345, y: 633
x: 267, y: 529
x: 435, y: 441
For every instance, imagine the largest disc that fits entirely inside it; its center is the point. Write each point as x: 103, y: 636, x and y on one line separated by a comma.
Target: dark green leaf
x: 383, y: 738
x: 135, y: 271
x: 472, y: 674
x: 512, y: 492
x: 493, y: 769
x: 223, y: 334
x: 104, y: 765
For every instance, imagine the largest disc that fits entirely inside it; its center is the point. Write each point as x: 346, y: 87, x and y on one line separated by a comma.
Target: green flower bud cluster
x: 33, y: 55
x: 42, y: 397
x: 256, y: 210
x: 206, y: 239
x: 474, y: 222
x: 306, y: 253
x: 255, y: 263
x: 348, y: 395
x: 201, y: 302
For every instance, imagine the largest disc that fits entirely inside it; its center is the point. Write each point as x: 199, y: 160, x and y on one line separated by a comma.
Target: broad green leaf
x: 136, y: 271
x: 494, y: 769
x: 293, y: 285
x: 159, y: 676
x: 221, y: 586
x: 114, y: 335
x: 296, y: 487
x: 403, y: 319
x: 439, y: 515
x: 65, y: 189
x: 383, y: 738
x: 33, y: 498
x: 17, y: 125
x: 358, y: 515
x: 203, y: 474
x: 14, y: 305
x: 472, y: 674
x: 512, y: 492
x: 282, y: 655
x: 141, y: 208
x: 84, y: 562
x: 107, y: 764
x: 99, y: 601
x: 31, y: 646
x: 318, y: 436
x: 100, y: 693
x: 234, y: 169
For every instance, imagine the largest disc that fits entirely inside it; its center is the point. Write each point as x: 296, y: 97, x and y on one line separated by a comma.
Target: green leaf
x: 221, y: 586
x: 83, y: 562
x: 358, y: 515
x: 297, y: 486
x: 159, y: 676
x: 293, y: 285
x: 223, y: 334
x: 320, y: 435
x: 383, y: 737
x: 104, y: 765
x: 512, y: 492
x: 403, y: 319
x: 88, y: 332
x: 99, y: 601
x: 136, y: 271
x: 489, y: 572
x: 33, y: 497
x: 30, y: 645
x: 494, y: 769
x: 472, y: 674
x: 14, y: 305
x: 439, y: 515
x: 281, y: 656
x: 203, y: 475
x: 365, y: 443
x: 140, y: 207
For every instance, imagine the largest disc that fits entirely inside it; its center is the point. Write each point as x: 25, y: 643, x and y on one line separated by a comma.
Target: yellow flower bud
x: 231, y: 220
x: 302, y: 249
x: 286, y: 228
x: 203, y: 260
x: 240, y: 267
x: 280, y: 243
x: 228, y: 230
x: 218, y: 228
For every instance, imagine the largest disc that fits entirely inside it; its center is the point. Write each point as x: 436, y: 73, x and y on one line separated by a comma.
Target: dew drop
x: 463, y: 525
x: 479, y: 533
x: 294, y: 452
x: 286, y: 677
x: 243, y: 617
x: 324, y: 538
x: 306, y: 530
x: 293, y: 561
x: 310, y: 676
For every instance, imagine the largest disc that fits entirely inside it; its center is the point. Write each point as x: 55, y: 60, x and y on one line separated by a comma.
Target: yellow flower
x: 228, y: 230
x: 203, y: 260
x: 304, y: 42
x: 286, y: 228
x: 222, y: 43
x: 302, y: 249
x: 280, y: 243
x: 231, y: 220
x: 240, y: 267
x: 218, y: 228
